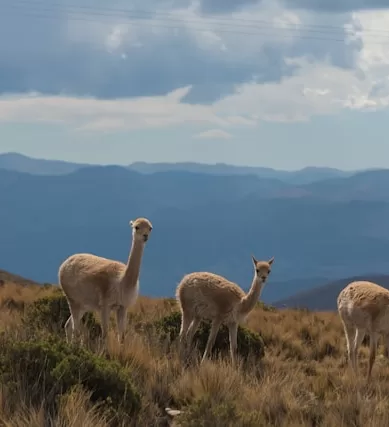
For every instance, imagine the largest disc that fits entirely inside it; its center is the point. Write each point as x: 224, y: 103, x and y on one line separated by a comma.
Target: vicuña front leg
x: 233, y: 332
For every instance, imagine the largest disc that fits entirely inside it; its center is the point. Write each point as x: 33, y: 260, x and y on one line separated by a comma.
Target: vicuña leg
x: 359, y: 335
x: 190, y: 334
x: 233, y: 332
x: 121, y: 315
x: 186, y: 320
x: 73, y: 324
x: 105, y: 324
x: 349, y: 331
x: 212, y: 337
x: 386, y: 346
x: 373, y: 352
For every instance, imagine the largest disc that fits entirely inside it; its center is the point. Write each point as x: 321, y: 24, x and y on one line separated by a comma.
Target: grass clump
x: 249, y: 342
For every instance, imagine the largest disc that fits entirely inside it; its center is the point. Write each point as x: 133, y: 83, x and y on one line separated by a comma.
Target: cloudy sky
x: 280, y: 83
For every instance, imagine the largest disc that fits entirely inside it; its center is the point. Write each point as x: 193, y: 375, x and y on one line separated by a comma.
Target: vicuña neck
x: 131, y: 274
x: 249, y: 301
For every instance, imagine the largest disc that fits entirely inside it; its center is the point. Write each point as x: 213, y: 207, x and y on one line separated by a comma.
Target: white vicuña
x: 93, y: 283
x: 203, y: 295
x: 364, y: 309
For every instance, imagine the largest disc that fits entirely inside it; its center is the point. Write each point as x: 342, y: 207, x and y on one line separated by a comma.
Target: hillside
x: 323, y: 298
x: 299, y: 378
x: 201, y: 222
x: 7, y: 278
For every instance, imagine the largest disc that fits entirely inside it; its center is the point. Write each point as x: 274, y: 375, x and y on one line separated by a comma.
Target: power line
x: 222, y: 20
x: 85, y: 13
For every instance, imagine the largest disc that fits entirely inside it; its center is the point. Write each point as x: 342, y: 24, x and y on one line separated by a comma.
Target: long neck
x: 249, y: 301
x: 131, y: 273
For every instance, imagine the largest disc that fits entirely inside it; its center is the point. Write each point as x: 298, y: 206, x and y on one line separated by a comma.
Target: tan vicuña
x: 364, y: 309
x: 94, y: 283
x: 203, y: 295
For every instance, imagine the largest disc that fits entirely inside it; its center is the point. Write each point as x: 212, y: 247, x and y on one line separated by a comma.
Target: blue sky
x: 206, y: 81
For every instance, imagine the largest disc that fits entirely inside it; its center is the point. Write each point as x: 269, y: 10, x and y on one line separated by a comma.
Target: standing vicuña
x: 210, y: 296
x: 93, y: 283
x: 364, y: 309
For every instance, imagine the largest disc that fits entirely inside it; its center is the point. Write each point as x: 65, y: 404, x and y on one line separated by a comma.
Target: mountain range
x: 320, y: 224
x: 21, y: 163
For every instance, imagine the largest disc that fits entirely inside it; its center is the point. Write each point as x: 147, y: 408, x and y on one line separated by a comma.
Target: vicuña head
x: 262, y: 268
x: 93, y: 283
x: 204, y: 295
x: 141, y: 229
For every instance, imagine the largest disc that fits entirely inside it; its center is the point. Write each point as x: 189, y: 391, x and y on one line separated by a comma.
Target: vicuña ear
x: 254, y: 260
x: 131, y: 223
x: 271, y: 260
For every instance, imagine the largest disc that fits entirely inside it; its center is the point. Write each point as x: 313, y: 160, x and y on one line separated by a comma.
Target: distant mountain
x: 303, y: 176
x: 324, y: 298
x: 201, y: 222
x: 366, y: 185
x: 21, y: 163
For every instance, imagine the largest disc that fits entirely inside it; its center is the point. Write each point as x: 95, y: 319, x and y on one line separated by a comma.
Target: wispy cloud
x: 213, y: 134
x: 90, y: 114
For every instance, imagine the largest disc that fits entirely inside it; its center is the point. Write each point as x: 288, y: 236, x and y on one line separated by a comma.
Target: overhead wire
x: 53, y: 10
x: 167, y: 15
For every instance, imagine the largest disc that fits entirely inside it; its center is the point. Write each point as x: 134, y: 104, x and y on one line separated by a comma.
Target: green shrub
x: 51, y: 313
x: 50, y: 368
x: 249, y: 343
x: 265, y: 307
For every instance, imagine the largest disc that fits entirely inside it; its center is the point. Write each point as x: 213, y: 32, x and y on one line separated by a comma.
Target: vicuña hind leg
x: 373, y: 352
x: 121, y: 314
x: 212, y: 337
x: 190, y: 335
x: 186, y: 320
x: 104, y: 324
x: 359, y: 335
x: 73, y: 324
x: 349, y: 331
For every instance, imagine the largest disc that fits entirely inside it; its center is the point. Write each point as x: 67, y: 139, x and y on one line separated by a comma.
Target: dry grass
x: 302, y: 381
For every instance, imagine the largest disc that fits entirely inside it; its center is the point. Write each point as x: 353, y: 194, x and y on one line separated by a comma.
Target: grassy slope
x: 301, y: 382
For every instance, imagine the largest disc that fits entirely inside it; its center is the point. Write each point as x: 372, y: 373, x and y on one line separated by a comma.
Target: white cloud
x: 213, y: 134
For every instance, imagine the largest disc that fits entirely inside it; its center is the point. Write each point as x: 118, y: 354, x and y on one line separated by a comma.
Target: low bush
x: 51, y: 313
x: 249, y: 342
x: 50, y: 368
